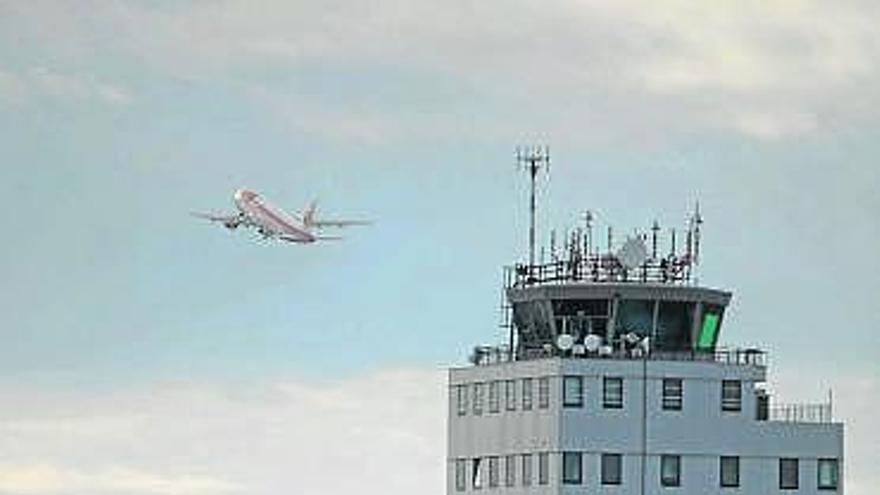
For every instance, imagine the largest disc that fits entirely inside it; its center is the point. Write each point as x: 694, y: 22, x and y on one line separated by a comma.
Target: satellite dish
x: 592, y: 342
x: 606, y: 350
x: 565, y: 342
x: 645, y: 345
x: 632, y: 338
x: 633, y: 254
x: 578, y: 350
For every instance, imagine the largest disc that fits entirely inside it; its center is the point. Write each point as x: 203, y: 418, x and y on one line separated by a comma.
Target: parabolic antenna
x: 565, y: 342
x: 592, y: 342
x: 633, y: 253
x: 632, y: 338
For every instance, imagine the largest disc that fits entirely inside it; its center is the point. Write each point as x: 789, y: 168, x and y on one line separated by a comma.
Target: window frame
x: 544, y: 392
x: 494, y: 471
x: 786, y: 484
x: 510, y: 395
x: 494, y: 396
x: 607, y: 476
x: 835, y: 473
x: 576, y: 460
x: 510, y: 470
x: 477, y: 481
x: 675, y: 460
x: 731, y: 461
x: 609, y: 401
x: 527, y: 388
x: 461, y: 397
x: 477, y: 396
x: 731, y: 404
x: 460, y: 475
x: 543, y: 468
x: 578, y: 400
x: 527, y: 469
x: 669, y: 400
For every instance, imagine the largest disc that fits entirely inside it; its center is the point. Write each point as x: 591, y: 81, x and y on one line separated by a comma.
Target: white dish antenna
x: 632, y: 338
x: 633, y: 254
x: 645, y: 345
x: 592, y: 342
x: 565, y: 342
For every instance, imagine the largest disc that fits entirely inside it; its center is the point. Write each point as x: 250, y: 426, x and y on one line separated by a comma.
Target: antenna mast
x: 533, y: 159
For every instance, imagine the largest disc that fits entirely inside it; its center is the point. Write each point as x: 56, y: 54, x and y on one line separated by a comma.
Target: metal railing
x: 601, y: 268
x: 488, y: 355
x: 802, y: 413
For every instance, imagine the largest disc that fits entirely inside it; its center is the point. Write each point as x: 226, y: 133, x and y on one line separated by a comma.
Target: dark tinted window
x: 674, y: 323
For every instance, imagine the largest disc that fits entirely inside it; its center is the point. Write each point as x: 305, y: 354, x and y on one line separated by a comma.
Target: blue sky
x: 119, y: 118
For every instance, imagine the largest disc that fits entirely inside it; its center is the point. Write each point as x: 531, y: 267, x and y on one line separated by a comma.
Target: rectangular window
x: 789, y: 474
x: 494, y: 399
x: 731, y: 395
x: 510, y: 395
x: 478, y: 399
x: 526, y: 469
x: 543, y: 468
x: 510, y: 470
x: 460, y: 475
x: 527, y: 394
x: 572, y: 468
x: 828, y: 472
x: 729, y: 472
x: 494, y: 466
x: 612, y: 393
x: 461, y: 392
x: 670, y: 470
x: 672, y: 394
x: 544, y: 392
x: 573, y: 391
x: 612, y: 469
x: 477, y: 473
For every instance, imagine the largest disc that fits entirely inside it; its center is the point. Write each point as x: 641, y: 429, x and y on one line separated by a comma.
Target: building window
x: 731, y: 395
x: 494, y: 400
x: 544, y: 392
x: 477, y: 473
x: 509, y: 470
x: 527, y: 394
x: 672, y: 394
x: 543, y: 468
x: 612, y: 393
x: 478, y: 399
x: 789, y: 474
x: 572, y: 469
x: 461, y: 392
x: 670, y: 470
x: 828, y: 473
x: 573, y: 391
x: 510, y: 395
x: 494, y: 466
x: 612, y: 469
x: 526, y: 469
x: 729, y: 472
x: 460, y: 475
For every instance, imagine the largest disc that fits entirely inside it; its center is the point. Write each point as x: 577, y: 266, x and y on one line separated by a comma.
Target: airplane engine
x: 231, y: 225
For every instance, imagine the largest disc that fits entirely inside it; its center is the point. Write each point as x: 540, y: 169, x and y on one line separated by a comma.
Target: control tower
x: 612, y: 381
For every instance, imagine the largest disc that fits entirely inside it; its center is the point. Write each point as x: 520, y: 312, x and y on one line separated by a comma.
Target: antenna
x: 654, y: 230
x: 533, y: 159
x: 588, y: 224
x: 698, y: 221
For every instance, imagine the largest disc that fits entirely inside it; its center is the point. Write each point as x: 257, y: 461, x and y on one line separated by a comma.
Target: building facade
x: 612, y: 382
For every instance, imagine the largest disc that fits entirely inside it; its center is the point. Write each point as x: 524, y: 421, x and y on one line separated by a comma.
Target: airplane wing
x: 230, y: 221
x: 339, y: 223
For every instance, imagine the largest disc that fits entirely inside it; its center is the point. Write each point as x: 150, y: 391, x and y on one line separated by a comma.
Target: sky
x: 145, y: 352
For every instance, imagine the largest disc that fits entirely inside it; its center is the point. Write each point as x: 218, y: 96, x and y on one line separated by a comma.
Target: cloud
x: 767, y: 71
x: 40, y: 82
x: 381, y: 433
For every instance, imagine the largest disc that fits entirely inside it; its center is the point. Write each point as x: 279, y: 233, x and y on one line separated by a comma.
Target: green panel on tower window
x: 708, y: 333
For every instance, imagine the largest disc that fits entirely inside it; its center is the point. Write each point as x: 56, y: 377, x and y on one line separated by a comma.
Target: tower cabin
x: 612, y: 381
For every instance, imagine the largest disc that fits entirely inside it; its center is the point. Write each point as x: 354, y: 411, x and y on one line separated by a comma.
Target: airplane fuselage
x: 271, y: 221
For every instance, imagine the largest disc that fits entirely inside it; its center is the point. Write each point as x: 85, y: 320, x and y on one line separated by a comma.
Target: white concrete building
x: 581, y: 402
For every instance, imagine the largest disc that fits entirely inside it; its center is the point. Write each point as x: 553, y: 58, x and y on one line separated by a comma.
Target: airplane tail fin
x: 309, y: 214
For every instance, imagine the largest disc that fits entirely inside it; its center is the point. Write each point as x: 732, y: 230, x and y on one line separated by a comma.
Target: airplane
x: 275, y: 223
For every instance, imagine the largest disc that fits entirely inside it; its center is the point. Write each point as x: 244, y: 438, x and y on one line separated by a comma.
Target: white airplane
x: 274, y: 223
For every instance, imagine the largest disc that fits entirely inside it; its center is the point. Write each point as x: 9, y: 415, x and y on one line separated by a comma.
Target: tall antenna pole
x: 533, y: 159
